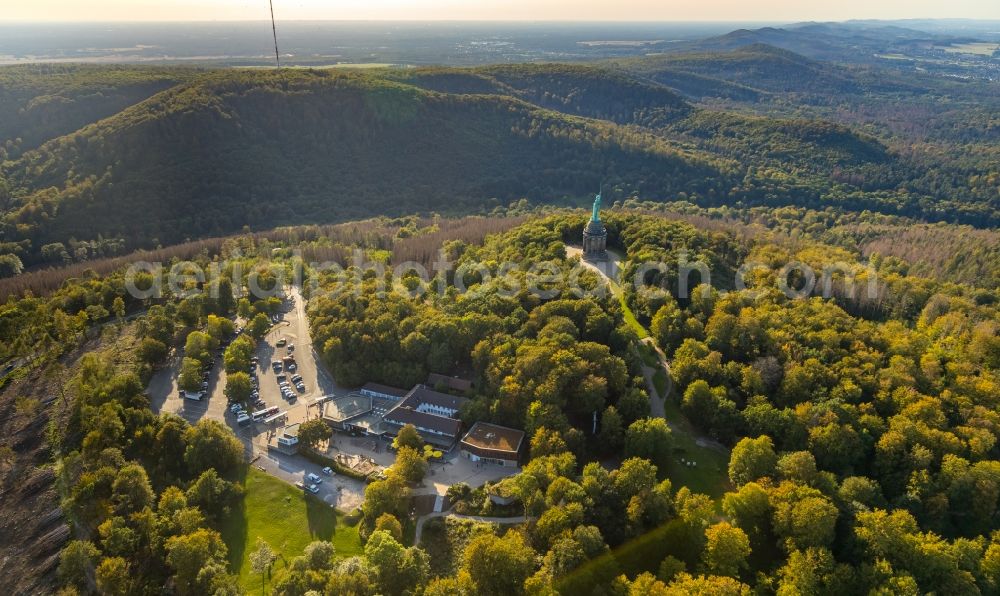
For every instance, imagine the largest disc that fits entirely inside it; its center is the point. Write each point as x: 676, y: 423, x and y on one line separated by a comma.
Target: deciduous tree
x: 752, y: 459
x: 726, y: 549
x: 649, y: 438
x: 498, y: 565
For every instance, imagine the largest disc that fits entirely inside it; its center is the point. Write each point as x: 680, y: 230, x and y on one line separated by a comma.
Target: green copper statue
x: 595, y: 235
x: 597, y: 208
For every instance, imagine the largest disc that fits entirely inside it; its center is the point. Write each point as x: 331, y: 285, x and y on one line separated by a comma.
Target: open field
x: 979, y: 48
x: 288, y: 520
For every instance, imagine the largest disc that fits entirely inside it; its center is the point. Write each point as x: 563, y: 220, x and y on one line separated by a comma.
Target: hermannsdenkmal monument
x: 595, y: 235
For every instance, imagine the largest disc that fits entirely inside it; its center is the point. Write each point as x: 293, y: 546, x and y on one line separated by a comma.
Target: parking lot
x: 293, y: 327
x: 342, y: 492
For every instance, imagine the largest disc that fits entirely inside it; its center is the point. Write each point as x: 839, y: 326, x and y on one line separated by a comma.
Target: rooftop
x: 371, y: 422
x: 344, y: 408
x: 491, y: 436
x: 406, y: 415
x: 455, y: 383
x: 422, y: 394
x: 384, y: 389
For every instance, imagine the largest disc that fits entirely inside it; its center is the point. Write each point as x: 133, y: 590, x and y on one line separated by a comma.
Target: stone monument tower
x: 595, y: 235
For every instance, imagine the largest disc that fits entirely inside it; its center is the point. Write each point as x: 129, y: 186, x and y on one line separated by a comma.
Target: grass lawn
x: 288, y: 520
x: 711, y: 475
x: 629, y: 316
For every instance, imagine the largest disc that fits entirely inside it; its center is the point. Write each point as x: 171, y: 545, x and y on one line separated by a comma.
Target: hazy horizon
x: 50, y: 11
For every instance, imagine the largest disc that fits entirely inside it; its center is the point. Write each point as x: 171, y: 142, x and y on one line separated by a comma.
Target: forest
x: 857, y: 433
x: 203, y: 153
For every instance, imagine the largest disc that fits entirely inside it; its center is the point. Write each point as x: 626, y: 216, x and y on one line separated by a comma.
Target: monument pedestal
x: 595, y: 242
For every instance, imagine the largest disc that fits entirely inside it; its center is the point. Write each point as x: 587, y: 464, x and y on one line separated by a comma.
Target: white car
x: 313, y: 478
x: 313, y: 489
x: 328, y: 471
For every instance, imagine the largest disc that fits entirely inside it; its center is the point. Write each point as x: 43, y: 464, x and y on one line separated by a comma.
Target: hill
x: 262, y: 148
x: 758, y: 66
x: 219, y: 150
x: 850, y: 43
x: 39, y: 102
x: 583, y: 90
x: 802, y: 148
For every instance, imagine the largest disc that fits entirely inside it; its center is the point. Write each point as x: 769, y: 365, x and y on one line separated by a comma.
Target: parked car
x: 300, y: 387
x: 292, y: 367
x: 313, y: 489
x: 276, y: 366
x: 281, y: 342
x: 291, y: 348
x: 243, y: 419
x: 296, y: 378
x: 328, y: 471
x: 300, y: 485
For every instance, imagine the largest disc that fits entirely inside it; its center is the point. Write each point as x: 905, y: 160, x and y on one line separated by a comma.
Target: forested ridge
x: 44, y: 101
x: 275, y: 148
x: 217, y: 150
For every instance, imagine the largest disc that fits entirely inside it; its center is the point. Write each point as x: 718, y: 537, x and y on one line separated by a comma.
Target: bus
x: 265, y: 413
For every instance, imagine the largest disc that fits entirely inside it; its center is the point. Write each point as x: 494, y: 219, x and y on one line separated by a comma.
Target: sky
x: 540, y: 10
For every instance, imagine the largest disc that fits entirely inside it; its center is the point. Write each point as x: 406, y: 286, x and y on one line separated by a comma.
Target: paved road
x: 493, y: 520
